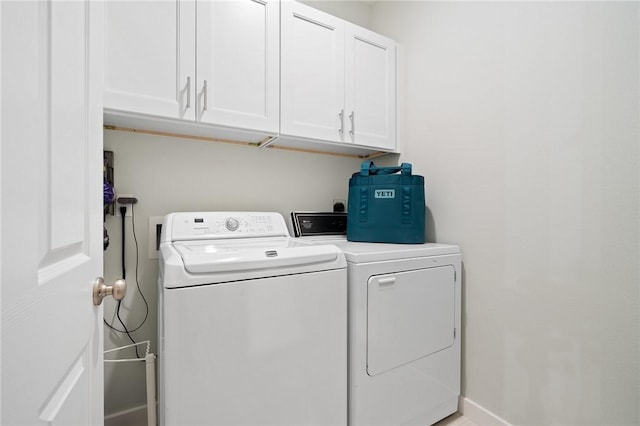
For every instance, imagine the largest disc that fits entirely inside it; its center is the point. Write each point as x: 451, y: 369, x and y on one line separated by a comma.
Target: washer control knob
x: 232, y: 224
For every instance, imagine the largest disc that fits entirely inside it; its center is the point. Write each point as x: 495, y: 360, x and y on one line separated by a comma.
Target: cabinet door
x: 150, y: 57
x: 312, y: 68
x: 370, y: 96
x: 238, y: 63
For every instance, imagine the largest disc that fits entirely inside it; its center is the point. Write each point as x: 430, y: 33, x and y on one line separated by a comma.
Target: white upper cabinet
x: 312, y: 69
x: 150, y: 57
x: 152, y: 48
x: 370, y: 96
x: 338, y: 80
x: 238, y: 69
x: 249, y: 70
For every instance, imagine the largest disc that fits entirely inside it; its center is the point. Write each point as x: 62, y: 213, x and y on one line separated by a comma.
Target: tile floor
x: 455, y: 419
x: 139, y: 417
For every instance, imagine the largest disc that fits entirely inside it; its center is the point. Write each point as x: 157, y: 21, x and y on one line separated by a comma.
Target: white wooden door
x: 312, y: 69
x: 238, y: 63
x: 150, y: 57
x: 51, y: 203
x: 370, y: 96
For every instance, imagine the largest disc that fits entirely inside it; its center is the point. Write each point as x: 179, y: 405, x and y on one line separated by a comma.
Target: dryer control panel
x: 221, y: 225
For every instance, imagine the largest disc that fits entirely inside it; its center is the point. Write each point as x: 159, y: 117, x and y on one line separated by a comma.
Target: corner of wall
x: 478, y: 414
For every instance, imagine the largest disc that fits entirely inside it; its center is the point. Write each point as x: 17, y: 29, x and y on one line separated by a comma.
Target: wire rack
x: 150, y: 364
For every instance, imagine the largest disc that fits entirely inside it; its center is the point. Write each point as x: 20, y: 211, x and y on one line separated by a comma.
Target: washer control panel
x: 218, y: 225
x: 232, y: 224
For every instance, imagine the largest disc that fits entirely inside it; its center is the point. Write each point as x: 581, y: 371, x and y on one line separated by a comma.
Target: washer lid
x: 221, y: 256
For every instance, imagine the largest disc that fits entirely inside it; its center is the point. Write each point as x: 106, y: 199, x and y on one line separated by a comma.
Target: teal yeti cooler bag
x: 385, y: 206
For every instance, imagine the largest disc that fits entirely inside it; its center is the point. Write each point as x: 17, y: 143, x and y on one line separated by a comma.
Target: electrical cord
x: 123, y: 211
x: 123, y: 263
x: 135, y: 239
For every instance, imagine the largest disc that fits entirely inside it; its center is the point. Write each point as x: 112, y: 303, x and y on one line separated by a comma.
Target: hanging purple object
x: 108, y: 193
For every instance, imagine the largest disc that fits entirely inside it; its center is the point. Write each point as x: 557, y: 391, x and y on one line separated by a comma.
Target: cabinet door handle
x: 353, y: 126
x: 341, y: 115
x: 204, y: 108
x: 188, y: 92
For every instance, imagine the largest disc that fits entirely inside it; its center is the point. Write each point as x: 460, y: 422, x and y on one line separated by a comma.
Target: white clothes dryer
x: 404, y: 325
x: 252, y: 323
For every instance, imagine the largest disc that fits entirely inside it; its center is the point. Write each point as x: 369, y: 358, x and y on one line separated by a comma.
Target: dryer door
x: 410, y: 315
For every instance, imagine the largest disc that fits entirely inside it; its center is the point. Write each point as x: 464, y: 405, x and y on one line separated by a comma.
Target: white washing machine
x: 252, y: 323
x: 404, y: 325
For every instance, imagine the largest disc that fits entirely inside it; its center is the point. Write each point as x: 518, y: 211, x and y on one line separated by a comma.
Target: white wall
x: 524, y: 118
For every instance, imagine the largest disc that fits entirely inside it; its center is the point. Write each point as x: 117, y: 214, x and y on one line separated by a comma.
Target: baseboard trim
x: 480, y: 415
x: 131, y: 416
x: 470, y: 409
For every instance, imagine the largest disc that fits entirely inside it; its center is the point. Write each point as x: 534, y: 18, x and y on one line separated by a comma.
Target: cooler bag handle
x: 368, y: 168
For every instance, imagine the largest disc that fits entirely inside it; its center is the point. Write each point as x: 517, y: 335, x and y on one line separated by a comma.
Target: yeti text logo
x: 385, y: 193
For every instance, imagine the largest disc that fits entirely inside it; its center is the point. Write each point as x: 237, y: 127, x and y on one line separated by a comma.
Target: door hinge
x: 454, y: 333
x: 455, y: 275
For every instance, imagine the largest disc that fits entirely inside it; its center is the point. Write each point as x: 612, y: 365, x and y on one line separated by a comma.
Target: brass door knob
x: 101, y: 290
